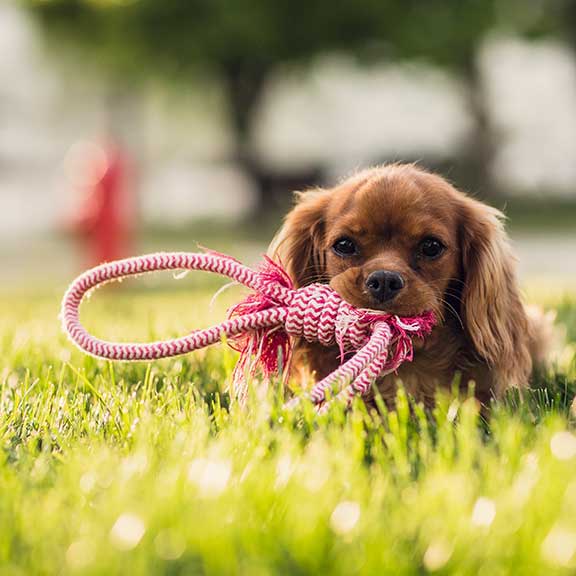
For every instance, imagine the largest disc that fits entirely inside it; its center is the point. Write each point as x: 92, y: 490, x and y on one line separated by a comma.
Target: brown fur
x: 483, y: 334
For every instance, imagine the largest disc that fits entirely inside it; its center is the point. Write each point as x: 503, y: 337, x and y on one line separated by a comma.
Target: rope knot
x: 318, y: 314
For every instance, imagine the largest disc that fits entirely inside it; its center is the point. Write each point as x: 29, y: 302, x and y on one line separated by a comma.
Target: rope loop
x: 260, y: 326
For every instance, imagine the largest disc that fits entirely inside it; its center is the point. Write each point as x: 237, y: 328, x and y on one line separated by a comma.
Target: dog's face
x: 403, y: 240
x: 391, y: 244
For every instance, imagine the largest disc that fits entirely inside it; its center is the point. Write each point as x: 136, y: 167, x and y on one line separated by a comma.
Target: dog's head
x: 402, y: 240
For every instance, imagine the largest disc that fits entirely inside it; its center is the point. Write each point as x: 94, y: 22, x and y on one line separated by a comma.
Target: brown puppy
x: 403, y: 240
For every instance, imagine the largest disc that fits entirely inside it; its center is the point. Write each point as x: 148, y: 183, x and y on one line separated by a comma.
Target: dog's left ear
x: 492, y: 311
x: 297, y: 245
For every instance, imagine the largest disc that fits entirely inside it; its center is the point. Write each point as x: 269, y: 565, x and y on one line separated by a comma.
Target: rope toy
x: 260, y: 327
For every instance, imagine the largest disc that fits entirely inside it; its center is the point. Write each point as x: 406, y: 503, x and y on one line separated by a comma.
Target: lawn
x: 145, y: 468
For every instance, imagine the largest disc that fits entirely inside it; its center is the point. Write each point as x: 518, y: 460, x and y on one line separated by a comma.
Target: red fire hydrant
x: 104, y: 218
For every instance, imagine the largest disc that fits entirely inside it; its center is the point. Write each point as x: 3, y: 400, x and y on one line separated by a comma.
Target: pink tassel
x: 269, y: 349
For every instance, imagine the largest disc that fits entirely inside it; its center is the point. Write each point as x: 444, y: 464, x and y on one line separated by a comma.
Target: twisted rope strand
x: 263, y: 322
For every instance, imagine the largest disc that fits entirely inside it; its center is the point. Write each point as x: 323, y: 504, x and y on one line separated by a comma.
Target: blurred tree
x: 448, y: 33
x: 554, y: 18
x: 244, y: 41
x: 565, y: 10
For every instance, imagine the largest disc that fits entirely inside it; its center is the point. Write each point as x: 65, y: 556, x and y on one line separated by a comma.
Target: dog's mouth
x: 399, y: 310
x: 393, y: 307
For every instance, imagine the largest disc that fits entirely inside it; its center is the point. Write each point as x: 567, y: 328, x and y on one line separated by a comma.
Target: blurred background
x: 136, y: 125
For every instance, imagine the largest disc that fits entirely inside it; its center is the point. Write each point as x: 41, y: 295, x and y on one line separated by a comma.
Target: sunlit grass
x: 139, y: 469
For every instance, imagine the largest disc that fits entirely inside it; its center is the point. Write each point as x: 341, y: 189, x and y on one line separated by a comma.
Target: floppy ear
x: 493, y: 314
x: 297, y: 245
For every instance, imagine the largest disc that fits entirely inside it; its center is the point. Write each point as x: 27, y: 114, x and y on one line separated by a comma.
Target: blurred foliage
x: 174, y: 36
x: 240, y: 41
x: 243, y: 41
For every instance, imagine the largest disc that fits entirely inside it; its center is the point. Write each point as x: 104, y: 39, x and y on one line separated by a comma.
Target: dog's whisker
x: 456, y: 297
x: 449, y: 279
x: 454, y: 311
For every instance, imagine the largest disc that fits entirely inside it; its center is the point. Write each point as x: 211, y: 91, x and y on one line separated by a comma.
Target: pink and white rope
x: 314, y: 312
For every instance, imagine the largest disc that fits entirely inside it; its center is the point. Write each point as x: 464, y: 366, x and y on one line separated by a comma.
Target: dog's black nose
x: 384, y: 285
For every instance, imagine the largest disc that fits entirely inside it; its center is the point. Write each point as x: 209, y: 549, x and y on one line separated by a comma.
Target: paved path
x: 546, y: 256
x: 545, y: 260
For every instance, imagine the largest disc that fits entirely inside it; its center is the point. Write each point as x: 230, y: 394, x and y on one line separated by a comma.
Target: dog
x: 403, y: 240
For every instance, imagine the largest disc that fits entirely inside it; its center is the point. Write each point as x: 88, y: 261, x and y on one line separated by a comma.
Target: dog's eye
x: 431, y: 248
x: 345, y: 247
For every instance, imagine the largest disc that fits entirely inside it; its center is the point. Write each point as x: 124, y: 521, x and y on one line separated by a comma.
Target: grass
x: 139, y: 469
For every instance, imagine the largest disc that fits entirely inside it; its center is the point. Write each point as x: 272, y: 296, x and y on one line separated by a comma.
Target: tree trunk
x: 244, y: 87
x: 478, y: 154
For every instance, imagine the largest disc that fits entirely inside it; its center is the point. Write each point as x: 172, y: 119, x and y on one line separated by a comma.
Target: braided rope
x: 315, y: 313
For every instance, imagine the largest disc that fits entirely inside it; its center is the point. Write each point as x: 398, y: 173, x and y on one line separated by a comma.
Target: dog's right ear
x: 298, y: 244
x: 492, y: 309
